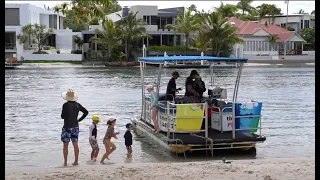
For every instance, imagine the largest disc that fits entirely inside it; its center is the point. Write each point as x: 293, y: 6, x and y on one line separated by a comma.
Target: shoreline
x: 267, y: 169
x: 250, y: 63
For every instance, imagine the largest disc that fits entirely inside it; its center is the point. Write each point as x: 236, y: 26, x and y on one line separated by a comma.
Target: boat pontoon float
x: 212, y: 123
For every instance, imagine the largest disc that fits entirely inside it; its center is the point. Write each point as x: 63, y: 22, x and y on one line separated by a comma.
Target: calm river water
x: 33, y: 105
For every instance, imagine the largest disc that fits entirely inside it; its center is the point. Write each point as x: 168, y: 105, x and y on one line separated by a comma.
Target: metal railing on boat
x: 205, y: 117
x: 171, y: 106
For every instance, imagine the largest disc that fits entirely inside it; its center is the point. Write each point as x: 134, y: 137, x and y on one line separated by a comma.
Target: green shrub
x: 76, y: 52
x: 41, y: 52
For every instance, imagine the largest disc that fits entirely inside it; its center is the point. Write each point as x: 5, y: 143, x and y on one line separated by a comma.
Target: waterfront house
x: 19, y: 15
x: 155, y: 19
x: 295, y: 21
x: 255, y: 39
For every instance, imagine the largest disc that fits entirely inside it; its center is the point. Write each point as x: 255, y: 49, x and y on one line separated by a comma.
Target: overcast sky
x: 294, y: 6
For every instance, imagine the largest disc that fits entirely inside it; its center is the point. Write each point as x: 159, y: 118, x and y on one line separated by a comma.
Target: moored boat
x: 213, y: 122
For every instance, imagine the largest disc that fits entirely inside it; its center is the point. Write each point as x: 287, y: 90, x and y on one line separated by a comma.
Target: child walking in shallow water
x: 93, y: 137
x: 128, y: 138
x: 110, y: 146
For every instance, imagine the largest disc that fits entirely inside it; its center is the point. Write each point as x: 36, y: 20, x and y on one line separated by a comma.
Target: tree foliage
x: 227, y: 10
x: 71, y: 21
x: 34, y: 34
x: 132, y: 30
x: 109, y: 38
x: 272, y: 39
x: 87, y: 11
x: 308, y: 34
x: 217, y: 33
x: 268, y: 9
x: 245, y: 6
x: 186, y: 23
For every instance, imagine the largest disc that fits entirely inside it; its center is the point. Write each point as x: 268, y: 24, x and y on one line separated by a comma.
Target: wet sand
x: 264, y: 169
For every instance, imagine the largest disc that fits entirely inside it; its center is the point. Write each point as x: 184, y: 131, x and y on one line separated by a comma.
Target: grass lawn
x: 46, y: 61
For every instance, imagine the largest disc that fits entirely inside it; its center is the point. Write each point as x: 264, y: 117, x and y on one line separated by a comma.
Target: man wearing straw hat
x: 70, y: 130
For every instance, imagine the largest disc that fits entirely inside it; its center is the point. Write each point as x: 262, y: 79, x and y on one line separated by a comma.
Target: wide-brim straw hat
x: 70, y: 95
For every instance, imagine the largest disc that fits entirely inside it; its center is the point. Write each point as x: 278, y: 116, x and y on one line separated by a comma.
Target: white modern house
x: 19, y: 15
x: 156, y: 20
x: 296, y: 21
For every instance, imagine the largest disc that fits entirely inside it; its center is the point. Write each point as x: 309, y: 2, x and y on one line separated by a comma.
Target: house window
x: 301, y: 25
x: 53, y: 21
x: 163, y: 22
x: 154, y: 20
x: 169, y: 20
x: 146, y: 19
x: 306, y: 23
x: 12, y: 17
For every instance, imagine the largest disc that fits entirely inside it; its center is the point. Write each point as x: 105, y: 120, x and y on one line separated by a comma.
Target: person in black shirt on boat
x: 190, y: 86
x: 199, y: 86
x: 172, y: 87
x: 70, y: 130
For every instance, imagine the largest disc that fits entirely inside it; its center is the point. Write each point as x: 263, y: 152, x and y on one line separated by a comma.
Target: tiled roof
x: 249, y: 28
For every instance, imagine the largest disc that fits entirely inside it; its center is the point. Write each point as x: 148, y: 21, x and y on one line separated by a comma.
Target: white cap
x: 149, y: 86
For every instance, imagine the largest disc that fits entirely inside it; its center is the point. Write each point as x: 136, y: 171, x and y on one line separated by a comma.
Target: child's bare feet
x: 65, y: 164
x: 94, y: 159
x: 75, y: 163
x: 102, y: 162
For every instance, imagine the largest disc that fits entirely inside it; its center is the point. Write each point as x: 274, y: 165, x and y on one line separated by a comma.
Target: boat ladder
x: 207, y: 139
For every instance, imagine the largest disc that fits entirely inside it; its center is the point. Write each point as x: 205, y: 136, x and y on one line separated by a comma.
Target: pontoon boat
x: 209, y: 124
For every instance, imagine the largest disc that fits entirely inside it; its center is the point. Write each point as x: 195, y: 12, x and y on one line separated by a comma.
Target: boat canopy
x: 163, y: 59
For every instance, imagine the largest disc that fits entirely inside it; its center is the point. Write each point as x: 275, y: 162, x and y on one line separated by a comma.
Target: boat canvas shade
x: 163, y: 59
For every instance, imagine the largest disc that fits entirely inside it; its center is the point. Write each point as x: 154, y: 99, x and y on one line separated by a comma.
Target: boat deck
x: 199, y: 138
x: 216, y: 136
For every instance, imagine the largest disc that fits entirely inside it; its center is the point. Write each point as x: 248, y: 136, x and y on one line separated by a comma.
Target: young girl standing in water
x: 110, y: 146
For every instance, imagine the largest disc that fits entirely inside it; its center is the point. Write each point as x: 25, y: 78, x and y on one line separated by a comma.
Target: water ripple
x: 33, y: 105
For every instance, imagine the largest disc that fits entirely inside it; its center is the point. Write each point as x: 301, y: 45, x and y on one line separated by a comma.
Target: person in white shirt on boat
x: 155, y: 107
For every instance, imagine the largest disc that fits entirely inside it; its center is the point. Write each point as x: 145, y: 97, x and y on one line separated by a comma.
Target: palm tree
x: 272, y: 39
x: 133, y: 29
x: 251, y: 16
x: 313, y: 12
x: 109, y: 38
x: 217, y: 32
x: 268, y: 9
x: 227, y: 10
x: 301, y: 11
x: 186, y: 23
x: 244, y: 5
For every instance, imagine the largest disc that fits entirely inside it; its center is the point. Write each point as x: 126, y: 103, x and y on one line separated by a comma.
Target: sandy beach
x: 265, y: 169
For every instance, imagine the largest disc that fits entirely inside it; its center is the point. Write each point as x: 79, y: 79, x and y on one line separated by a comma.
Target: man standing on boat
x: 70, y: 130
x: 172, y: 87
x: 191, y: 93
